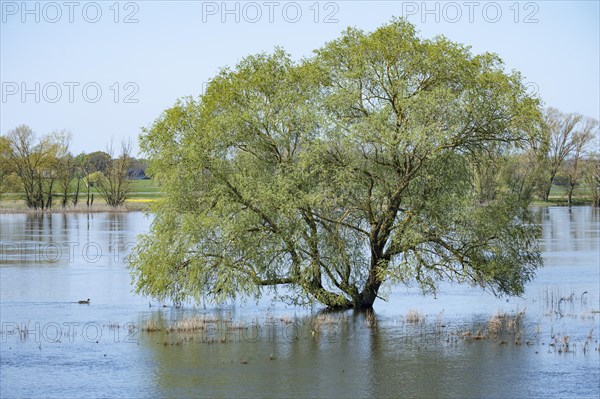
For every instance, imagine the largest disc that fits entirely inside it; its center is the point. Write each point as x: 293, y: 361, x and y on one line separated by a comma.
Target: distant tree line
x: 48, y: 174
x: 565, y: 154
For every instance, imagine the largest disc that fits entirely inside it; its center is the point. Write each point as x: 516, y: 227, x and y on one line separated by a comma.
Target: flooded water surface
x: 462, y: 343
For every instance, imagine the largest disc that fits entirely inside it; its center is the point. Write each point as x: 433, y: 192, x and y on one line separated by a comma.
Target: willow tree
x: 324, y: 179
x: 33, y: 162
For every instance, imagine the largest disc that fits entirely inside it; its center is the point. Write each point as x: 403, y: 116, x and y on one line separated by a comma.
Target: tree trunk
x: 570, y: 195
x: 88, y: 194
x: 549, y: 188
x: 369, y: 294
x: 547, y: 192
x: 65, y: 199
x: 76, y: 195
x: 49, y: 200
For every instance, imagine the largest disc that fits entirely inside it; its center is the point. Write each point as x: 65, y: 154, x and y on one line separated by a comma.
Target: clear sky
x: 104, y: 69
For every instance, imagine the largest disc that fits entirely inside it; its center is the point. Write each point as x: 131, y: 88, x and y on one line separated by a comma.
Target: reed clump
x: 571, y: 304
x: 502, y: 323
x: 562, y: 343
x: 371, y: 320
x: 414, y: 317
x: 193, y: 324
x: 152, y: 325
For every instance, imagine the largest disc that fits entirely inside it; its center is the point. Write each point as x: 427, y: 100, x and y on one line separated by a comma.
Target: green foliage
x: 34, y: 163
x: 334, y: 175
x: 97, y: 161
x: 567, y: 137
x: 40, y: 169
x: 5, y: 169
x: 95, y: 177
x: 591, y: 176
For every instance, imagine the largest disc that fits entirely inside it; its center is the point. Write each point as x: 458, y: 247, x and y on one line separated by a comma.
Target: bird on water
x: 84, y: 302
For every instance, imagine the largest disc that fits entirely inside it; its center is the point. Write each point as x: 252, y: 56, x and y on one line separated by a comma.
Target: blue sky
x: 104, y: 69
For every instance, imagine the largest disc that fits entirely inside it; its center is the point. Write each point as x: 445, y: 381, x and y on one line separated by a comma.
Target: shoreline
x: 100, y: 208
x: 143, y: 205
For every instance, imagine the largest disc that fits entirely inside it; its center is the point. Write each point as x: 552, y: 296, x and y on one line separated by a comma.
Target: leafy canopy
x: 338, y: 173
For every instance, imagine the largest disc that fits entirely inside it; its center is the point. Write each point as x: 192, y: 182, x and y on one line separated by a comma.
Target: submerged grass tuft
x: 415, y: 317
